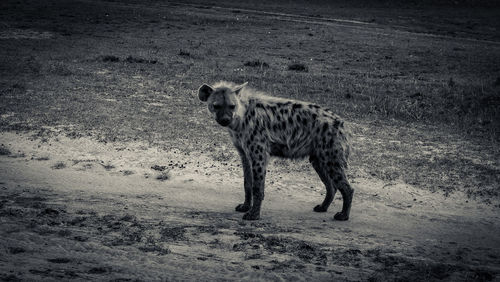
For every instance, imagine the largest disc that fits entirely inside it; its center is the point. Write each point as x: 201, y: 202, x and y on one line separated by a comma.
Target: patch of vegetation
x: 173, y: 233
x: 16, y: 250
x: 298, y: 67
x: 59, y: 165
x: 99, y: 270
x: 158, y: 167
x: 163, y: 176
x: 256, y: 63
x: 109, y: 58
x: 59, y: 260
x: 152, y: 245
x: 184, y: 53
x: 108, y: 166
x: 131, y: 59
x: 306, y: 251
x: 45, y: 158
x: 4, y: 151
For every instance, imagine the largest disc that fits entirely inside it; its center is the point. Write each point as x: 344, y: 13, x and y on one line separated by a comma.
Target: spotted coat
x: 262, y: 126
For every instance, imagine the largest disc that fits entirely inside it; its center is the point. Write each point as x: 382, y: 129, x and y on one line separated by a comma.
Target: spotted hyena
x: 262, y: 126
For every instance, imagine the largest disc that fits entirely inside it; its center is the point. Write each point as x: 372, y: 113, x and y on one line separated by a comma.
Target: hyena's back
x: 296, y: 129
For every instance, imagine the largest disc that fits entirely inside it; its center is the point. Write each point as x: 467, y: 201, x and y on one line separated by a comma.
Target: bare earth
x: 88, y: 219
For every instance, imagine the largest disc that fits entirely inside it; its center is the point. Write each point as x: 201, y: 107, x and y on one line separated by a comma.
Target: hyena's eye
x: 217, y: 107
x: 231, y: 107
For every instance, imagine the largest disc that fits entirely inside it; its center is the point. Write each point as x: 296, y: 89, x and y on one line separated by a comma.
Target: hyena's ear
x: 238, y: 88
x: 204, y: 92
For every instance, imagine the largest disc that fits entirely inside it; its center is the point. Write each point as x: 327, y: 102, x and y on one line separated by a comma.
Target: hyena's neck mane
x: 249, y: 100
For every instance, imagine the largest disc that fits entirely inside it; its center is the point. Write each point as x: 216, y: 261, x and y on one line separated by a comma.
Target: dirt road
x: 80, y: 209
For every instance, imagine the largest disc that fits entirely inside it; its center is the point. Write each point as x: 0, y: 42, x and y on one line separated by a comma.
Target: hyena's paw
x: 320, y: 208
x: 341, y: 216
x: 251, y: 216
x: 242, y: 208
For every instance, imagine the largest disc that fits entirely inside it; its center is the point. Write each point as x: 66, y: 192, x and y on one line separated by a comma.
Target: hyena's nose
x: 224, y: 121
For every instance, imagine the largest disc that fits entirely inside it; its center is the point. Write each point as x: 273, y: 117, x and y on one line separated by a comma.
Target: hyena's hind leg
x: 322, y: 171
x: 340, y: 181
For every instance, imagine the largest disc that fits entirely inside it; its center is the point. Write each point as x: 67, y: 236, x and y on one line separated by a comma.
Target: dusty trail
x: 92, y: 220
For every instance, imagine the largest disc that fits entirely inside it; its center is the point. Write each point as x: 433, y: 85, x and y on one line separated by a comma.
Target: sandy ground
x: 78, y: 209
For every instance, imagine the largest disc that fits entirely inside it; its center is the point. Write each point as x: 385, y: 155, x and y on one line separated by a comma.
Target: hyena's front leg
x: 247, y: 172
x: 259, y: 159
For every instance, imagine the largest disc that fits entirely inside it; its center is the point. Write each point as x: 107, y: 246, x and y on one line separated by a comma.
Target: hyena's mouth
x: 224, y: 122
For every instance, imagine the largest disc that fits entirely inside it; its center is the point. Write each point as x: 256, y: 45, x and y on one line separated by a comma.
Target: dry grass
x: 59, y: 165
x: 4, y: 151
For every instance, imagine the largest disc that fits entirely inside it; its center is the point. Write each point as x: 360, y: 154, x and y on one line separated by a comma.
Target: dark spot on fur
x: 283, y: 125
x: 336, y: 124
x: 325, y: 127
x: 278, y: 117
x: 314, y: 116
x: 299, y: 119
x: 290, y: 120
x: 296, y: 106
x: 304, y: 121
x: 275, y: 127
x: 259, y: 105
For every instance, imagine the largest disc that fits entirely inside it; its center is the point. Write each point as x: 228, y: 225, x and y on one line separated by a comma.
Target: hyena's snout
x: 224, y: 119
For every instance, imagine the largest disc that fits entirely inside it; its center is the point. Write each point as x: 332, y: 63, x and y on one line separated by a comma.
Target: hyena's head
x: 223, y: 101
